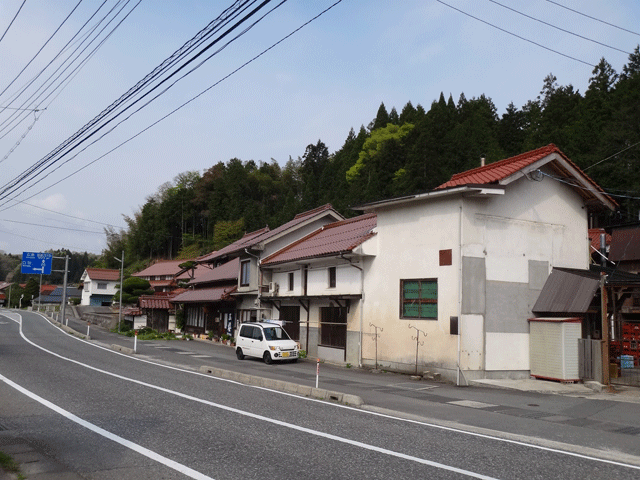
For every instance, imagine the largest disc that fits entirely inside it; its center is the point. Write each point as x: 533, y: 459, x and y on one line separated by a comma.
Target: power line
x: 52, y: 226
x: 69, y: 216
x: 99, y: 122
x: 15, y: 117
x: 174, y: 110
x: 515, y: 35
x: 558, y: 28
x: 43, y: 241
x: 13, y: 20
x: 41, y: 48
x: 611, y: 156
x: 592, y: 190
x: 593, y: 18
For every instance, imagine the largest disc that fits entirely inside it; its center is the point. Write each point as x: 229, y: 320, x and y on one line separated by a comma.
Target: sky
x: 329, y: 77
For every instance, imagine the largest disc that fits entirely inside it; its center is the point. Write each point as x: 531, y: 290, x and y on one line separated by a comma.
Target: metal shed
x: 553, y: 348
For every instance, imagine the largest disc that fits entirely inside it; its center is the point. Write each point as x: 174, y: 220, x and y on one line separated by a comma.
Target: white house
x: 456, y: 271
x: 315, y: 288
x: 99, y: 286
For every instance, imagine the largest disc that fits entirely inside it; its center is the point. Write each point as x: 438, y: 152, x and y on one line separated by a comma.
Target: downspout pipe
x: 458, y: 370
x: 361, y: 306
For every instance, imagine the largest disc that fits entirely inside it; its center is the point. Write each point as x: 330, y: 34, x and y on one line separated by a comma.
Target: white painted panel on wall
x: 471, y: 342
x: 507, y: 351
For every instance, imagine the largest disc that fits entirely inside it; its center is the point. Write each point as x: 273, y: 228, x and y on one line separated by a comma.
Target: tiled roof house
x: 465, y: 263
x: 315, y: 285
x: 99, y: 286
x: 255, y: 246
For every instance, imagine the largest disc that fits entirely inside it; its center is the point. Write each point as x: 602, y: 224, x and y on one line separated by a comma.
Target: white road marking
x: 219, y: 406
x: 367, y: 412
x: 471, y: 404
x: 111, y: 436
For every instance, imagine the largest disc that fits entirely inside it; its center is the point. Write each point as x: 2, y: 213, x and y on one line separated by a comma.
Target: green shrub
x: 302, y: 354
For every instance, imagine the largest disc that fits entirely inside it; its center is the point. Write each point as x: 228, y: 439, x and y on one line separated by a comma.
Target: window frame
x: 245, y: 276
x: 291, y: 281
x: 332, y: 277
x: 421, y: 300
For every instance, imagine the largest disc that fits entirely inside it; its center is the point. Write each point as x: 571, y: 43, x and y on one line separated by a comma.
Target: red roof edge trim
x: 308, y: 213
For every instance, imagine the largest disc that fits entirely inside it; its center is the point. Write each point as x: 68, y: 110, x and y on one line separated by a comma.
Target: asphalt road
x: 107, y: 415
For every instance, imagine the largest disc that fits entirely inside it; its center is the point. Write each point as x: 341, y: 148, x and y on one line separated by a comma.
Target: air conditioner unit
x: 273, y: 287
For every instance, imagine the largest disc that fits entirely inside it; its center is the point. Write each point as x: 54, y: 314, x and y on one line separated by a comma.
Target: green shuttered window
x: 419, y: 298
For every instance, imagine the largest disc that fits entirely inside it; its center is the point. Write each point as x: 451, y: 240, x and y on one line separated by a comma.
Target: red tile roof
x: 261, y: 235
x: 246, y: 241
x: 161, y: 267
x: 204, y: 295
x: 197, y: 272
x: 103, y: 274
x: 228, y: 271
x: 494, y: 172
x: 503, y: 169
x: 133, y: 311
x: 154, y: 302
x: 47, y: 289
x: 332, y: 239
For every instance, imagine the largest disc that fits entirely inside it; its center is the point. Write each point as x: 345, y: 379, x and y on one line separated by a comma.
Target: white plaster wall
x: 85, y: 299
x: 542, y: 221
x: 509, y: 351
x: 471, y: 329
x: 347, y: 280
x: 282, y: 279
x: 408, y: 243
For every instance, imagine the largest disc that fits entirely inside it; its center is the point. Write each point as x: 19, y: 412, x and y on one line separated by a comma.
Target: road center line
x: 219, y: 406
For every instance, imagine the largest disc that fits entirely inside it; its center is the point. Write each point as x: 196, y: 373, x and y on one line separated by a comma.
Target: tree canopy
x: 396, y: 154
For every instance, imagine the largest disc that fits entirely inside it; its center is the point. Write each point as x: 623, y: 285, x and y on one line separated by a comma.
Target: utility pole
x: 121, y: 260
x: 63, y: 307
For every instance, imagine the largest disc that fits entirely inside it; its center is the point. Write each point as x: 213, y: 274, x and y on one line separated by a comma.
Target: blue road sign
x: 33, y: 262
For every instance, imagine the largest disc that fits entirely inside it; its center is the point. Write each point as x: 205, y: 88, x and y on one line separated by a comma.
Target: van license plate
x: 285, y: 354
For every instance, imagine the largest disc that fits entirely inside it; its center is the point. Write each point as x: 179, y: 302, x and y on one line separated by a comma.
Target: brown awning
x: 567, y: 291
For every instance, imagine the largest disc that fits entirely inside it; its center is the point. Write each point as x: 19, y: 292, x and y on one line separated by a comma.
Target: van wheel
x: 267, y: 358
x: 239, y: 354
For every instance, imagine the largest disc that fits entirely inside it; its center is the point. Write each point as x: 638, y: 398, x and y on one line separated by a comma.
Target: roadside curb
x: 281, y: 385
x: 121, y: 349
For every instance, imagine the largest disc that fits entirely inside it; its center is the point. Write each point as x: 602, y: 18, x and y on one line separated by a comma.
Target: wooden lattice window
x: 419, y: 298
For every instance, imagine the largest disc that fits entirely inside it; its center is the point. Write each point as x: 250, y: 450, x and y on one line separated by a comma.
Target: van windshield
x: 275, y: 333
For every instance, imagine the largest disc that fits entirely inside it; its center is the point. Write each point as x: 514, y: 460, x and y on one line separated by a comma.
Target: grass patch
x: 8, y: 464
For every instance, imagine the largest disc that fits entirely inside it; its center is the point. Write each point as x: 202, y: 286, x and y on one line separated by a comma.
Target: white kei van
x: 268, y: 341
